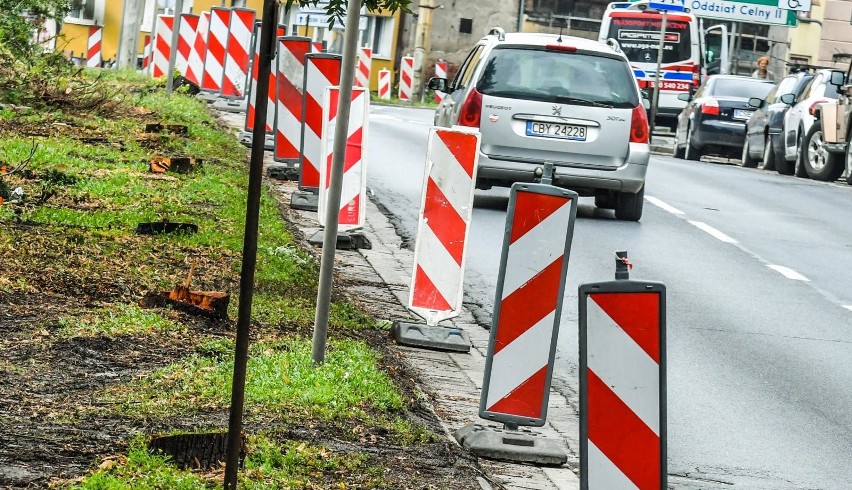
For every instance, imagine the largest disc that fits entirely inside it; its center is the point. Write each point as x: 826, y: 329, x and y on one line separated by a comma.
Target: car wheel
x: 747, y: 160
x: 848, y: 164
x: 768, y: 161
x: 799, y: 171
x: 628, y: 206
x: 691, y: 152
x: 820, y: 164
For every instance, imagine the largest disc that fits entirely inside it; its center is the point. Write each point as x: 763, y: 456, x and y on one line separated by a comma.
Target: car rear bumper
x: 719, y: 132
x: 628, y: 177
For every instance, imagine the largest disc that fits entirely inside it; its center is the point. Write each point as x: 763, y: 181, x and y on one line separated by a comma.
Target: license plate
x: 742, y: 114
x: 556, y: 130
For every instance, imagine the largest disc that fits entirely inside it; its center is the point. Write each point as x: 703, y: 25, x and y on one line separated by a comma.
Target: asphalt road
x: 757, y: 269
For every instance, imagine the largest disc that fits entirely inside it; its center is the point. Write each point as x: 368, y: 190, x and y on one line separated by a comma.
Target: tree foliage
x: 20, y: 19
x: 337, y: 8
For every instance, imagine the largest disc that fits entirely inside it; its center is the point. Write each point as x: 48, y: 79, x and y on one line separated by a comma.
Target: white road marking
x: 712, y: 232
x: 660, y: 204
x: 848, y: 307
x: 788, y: 273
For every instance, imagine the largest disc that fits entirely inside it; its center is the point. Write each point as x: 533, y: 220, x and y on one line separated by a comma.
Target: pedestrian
x: 762, y: 72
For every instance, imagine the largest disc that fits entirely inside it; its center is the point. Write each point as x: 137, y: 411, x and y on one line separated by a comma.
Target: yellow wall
x: 74, y: 37
x: 805, y: 38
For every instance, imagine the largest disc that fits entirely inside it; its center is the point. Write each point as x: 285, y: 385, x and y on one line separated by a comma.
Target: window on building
x: 382, y: 36
x: 82, y: 10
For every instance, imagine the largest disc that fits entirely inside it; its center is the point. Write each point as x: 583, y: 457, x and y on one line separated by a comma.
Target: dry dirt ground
x: 53, y: 426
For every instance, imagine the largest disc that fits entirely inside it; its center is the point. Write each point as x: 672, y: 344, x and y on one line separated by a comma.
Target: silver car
x: 540, y: 98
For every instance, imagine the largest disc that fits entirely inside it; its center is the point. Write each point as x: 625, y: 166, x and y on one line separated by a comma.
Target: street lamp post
x: 423, y: 43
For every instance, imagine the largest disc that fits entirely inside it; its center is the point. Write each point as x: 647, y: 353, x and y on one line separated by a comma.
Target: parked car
x: 802, y: 138
x: 835, y: 123
x: 714, y: 119
x: 540, y: 98
x: 763, y: 146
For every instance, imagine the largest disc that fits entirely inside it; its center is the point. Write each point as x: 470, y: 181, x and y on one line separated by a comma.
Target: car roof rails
x: 612, y: 43
x: 499, y: 32
x: 800, y: 67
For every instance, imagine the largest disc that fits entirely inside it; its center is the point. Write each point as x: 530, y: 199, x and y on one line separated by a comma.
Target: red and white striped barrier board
x: 237, y: 53
x: 93, y: 47
x: 440, y: 72
x: 318, y: 47
x: 445, y: 213
x: 622, y: 385
x: 162, y: 46
x: 384, y: 84
x: 290, y: 88
x: 353, y: 196
x: 406, y: 77
x: 217, y: 42
x: 270, y: 112
x: 528, y: 304
x: 146, y: 53
x: 186, y: 36
x: 321, y: 70
x: 362, y: 71
x: 198, y: 50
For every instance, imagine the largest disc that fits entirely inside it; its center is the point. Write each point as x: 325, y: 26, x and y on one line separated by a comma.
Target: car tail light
x: 471, y: 110
x: 813, y: 106
x: 639, y: 125
x: 710, y: 107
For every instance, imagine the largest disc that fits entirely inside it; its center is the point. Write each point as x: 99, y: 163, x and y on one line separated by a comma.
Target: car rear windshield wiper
x: 575, y: 100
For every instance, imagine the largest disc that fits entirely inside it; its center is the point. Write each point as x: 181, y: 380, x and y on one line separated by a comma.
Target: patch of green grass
x: 281, y: 378
x: 118, y: 320
x: 141, y: 470
x: 268, y: 465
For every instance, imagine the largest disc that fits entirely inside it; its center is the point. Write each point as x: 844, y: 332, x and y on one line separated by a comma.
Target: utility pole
x: 422, y: 44
x: 659, y: 79
x: 131, y: 18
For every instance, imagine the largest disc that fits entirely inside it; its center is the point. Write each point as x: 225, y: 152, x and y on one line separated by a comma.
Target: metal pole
x: 170, y: 80
x: 153, y: 36
x: 662, y: 47
x: 521, y: 15
x: 329, y: 242
x: 235, y: 422
x: 121, y: 40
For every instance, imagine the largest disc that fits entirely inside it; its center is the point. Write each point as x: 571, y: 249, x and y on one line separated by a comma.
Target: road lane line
x: 788, y: 273
x: 662, y: 205
x: 712, y: 232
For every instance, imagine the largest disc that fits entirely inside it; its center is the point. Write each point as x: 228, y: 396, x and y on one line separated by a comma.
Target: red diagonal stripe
x: 284, y: 148
x: 638, y: 314
x: 528, y: 305
x: 531, y: 209
x: 406, y: 79
x: 463, y: 148
x: 444, y: 220
x: 330, y: 69
x: 313, y: 114
x: 525, y: 400
x: 426, y: 295
x: 622, y: 436
x: 250, y: 117
x: 353, y: 150
x: 309, y: 173
x: 349, y: 211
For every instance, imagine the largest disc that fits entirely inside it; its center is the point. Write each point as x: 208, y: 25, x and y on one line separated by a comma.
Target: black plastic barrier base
x: 429, y: 337
x: 519, y: 446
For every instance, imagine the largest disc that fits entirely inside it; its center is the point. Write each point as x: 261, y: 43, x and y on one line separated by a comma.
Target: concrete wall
x: 836, y: 31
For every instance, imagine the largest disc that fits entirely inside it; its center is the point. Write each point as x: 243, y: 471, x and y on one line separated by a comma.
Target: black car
x: 766, y: 124
x: 714, y: 119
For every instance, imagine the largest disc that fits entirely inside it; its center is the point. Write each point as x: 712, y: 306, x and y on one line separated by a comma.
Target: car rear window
x: 639, y: 38
x: 558, y: 76
x: 744, y: 88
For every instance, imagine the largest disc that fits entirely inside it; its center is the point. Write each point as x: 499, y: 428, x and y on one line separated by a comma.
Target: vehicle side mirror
x: 787, y: 99
x: 755, y: 102
x: 646, y: 104
x: 837, y: 78
x: 684, y: 97
x: 439, y: 84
